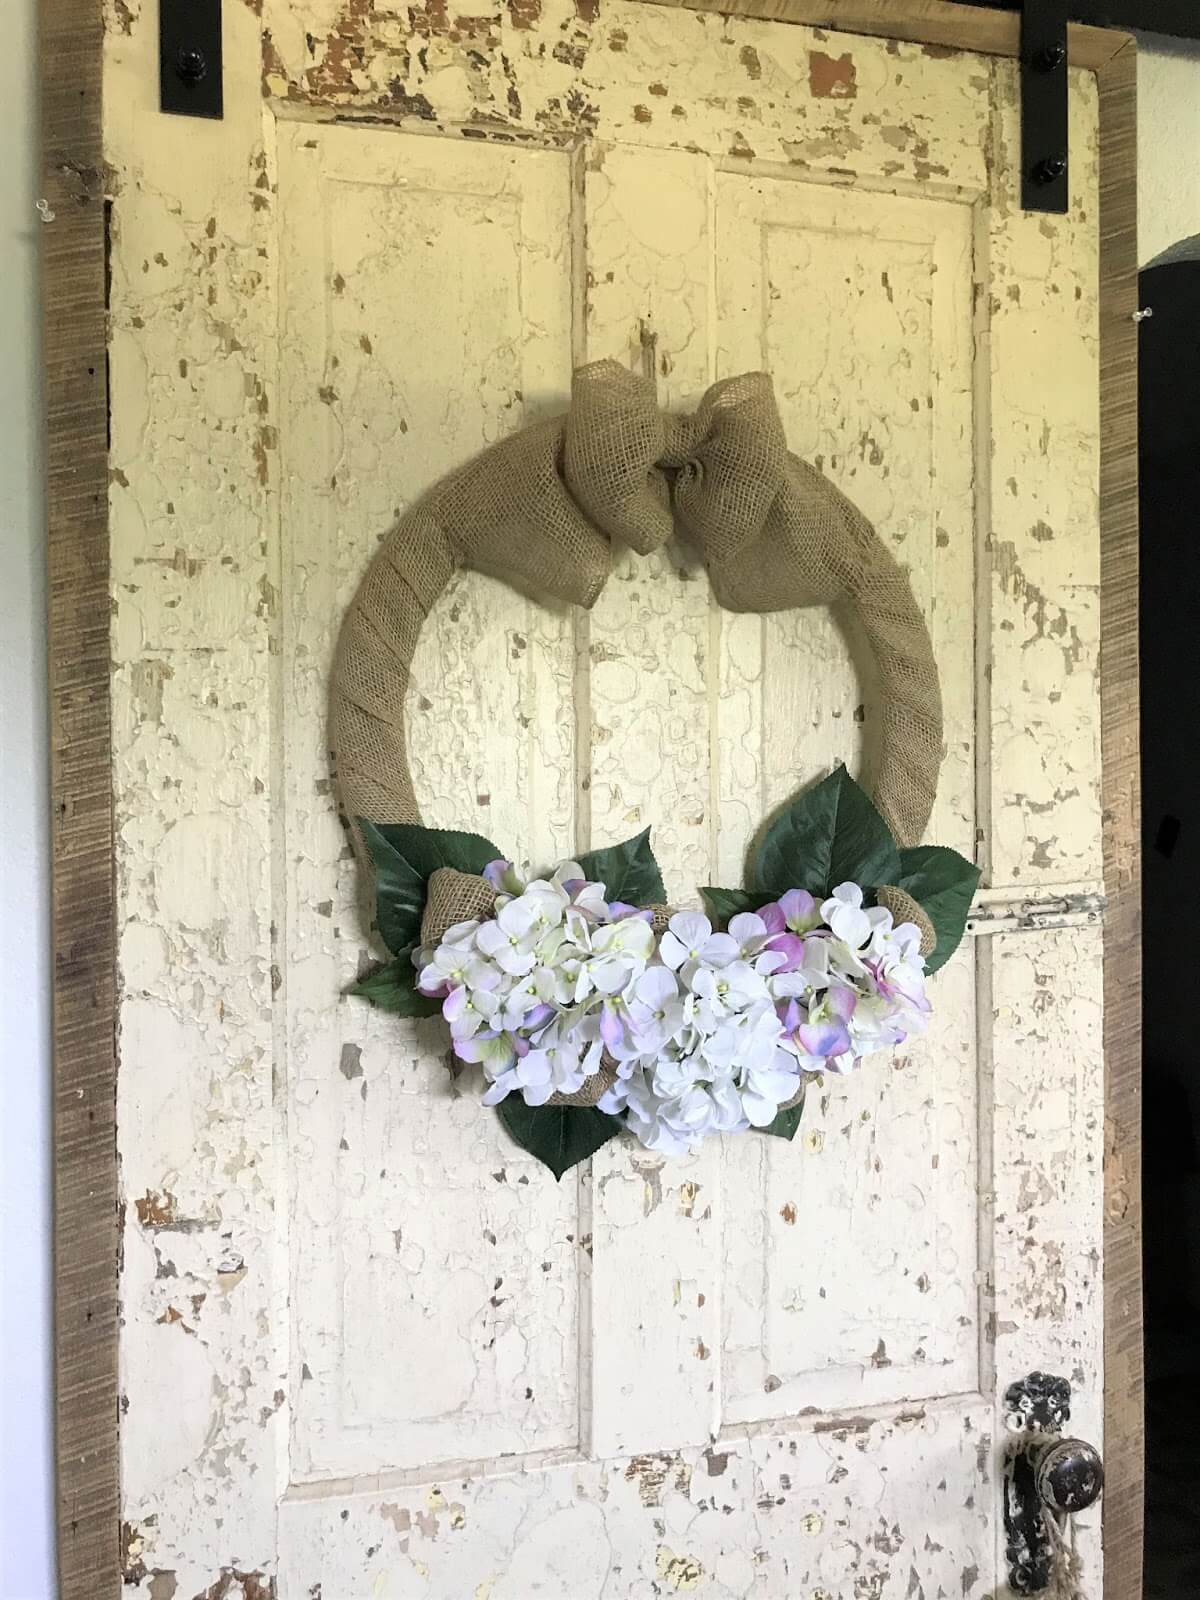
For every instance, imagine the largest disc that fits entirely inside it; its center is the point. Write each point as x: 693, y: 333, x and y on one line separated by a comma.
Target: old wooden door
x: 369, y: 1349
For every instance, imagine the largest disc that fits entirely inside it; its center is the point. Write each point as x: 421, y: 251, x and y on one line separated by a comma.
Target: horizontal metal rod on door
x: 1074, y: 905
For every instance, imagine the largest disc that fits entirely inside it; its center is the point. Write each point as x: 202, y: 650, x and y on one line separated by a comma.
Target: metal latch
x: 1048, y: 1479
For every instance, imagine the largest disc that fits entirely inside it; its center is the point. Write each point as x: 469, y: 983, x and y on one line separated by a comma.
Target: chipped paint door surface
x: 368, y: 1348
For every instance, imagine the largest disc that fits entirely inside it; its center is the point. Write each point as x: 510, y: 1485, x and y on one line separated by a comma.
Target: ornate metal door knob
x: 1048, y: 1478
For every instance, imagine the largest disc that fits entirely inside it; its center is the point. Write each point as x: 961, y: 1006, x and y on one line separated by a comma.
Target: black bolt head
x: 191, y: 65
x: 1050, y: 169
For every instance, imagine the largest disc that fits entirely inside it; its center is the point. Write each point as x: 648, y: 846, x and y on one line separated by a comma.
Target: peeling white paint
x: 369, y: 1348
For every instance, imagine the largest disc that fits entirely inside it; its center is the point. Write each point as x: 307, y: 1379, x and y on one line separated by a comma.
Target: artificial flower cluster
x: 699, y: 1031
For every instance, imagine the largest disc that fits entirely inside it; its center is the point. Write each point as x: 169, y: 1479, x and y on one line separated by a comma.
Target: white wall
x: 26, y: 1550
x: 1168, y: 144
x: 1168, y: 211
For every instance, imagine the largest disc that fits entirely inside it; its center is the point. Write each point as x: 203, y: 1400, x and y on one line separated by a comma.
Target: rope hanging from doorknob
x: 544, y: 508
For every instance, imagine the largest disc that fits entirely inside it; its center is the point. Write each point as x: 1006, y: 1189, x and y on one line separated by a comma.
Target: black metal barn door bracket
x: 1044, y: 171
x: 189, y: 58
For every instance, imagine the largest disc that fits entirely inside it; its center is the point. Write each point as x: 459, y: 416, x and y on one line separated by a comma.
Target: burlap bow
x: 543, y: 510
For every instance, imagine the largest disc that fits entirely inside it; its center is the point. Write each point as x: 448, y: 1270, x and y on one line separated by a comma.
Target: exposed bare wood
x: 1123, y: 1353
x: 938, y: 23
x: 85, y: 1182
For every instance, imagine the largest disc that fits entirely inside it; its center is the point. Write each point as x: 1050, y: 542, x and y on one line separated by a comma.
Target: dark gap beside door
x: 1169, y: 464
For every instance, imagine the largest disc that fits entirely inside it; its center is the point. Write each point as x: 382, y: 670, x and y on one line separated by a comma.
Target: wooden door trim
x: 939, y: 23
x: 1124, y: 1421
x: 83, y: 934
x: 86, y: 1190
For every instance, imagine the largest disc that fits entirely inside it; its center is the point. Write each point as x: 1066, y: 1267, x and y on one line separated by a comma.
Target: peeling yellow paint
x: 678, y: 1572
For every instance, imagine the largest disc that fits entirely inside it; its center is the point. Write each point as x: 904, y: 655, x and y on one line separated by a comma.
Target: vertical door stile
x: 656, y: 1230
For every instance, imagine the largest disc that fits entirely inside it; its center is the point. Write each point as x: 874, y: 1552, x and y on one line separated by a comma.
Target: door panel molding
x: 91, y: 1557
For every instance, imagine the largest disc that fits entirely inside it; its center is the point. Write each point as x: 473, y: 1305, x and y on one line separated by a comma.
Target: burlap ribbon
x: 544, y: 508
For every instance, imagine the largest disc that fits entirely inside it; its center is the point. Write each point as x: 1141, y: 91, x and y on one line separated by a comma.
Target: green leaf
x: 392, y: 987
x: 559, y: 1136
x: 628, y: 871
x: 830, y: 835
x: 405, y: 857
x: 786, y: 1123
x: 944, y: 884
x: 726, y: 903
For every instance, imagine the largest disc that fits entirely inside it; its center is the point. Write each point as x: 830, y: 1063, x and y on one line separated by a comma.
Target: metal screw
x: 1050, y: 57
x: 1050, y: 169
x: 191, y: 65
x: 45, y: 210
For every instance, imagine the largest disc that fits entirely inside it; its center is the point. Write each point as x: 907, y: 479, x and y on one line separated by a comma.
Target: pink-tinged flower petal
x: 455, y: 1004
x: 475, y: 1048
x: 824, y: 1038
x: 496, y: 872
x: 799, y: 910
x: 618, y: 911
x: 612, y: 1026
x: 537, y: 1017
x: 773, y: 917
x: 791, y: 1015
x: 842, y: 1002
x: 791, y: 947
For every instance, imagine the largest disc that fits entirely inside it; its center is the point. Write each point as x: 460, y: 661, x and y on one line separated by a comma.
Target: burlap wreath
x: 544, y: 509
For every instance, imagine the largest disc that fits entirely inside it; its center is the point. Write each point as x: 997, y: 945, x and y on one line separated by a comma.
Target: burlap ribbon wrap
x: 544, y: 510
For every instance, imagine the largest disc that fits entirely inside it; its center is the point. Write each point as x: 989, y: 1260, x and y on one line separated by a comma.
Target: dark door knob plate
x: 1047, y: 1479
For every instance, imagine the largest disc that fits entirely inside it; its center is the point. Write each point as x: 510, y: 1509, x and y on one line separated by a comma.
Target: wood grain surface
x: 1123, y: 1354
x: 85, y: 1171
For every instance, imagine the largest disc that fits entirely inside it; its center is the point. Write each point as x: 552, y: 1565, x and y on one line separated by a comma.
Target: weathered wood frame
x: 86, y: 1190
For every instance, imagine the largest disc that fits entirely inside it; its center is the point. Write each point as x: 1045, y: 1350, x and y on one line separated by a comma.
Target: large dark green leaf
x: 405, y: 857
x: 392, y: 987
x: 726, y: 903
x: 944, y: 883
x: 832, y: 834
x: 559, y: 1136
x: 786, y: 1123
x: 628, y: 871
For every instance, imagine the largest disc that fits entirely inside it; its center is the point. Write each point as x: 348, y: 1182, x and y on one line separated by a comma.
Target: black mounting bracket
x: 1044, y: 172
x: 189, y: 58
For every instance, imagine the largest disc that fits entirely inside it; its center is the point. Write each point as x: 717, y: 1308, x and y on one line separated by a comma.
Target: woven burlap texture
x: 592, y: 1090
x: 905, y: 909
x: 543, y: 508
x: 451, y: 897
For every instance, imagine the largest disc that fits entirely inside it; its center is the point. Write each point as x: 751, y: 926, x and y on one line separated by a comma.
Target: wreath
x: 590, y: 1005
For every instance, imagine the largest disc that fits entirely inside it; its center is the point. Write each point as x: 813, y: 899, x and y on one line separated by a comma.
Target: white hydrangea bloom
x: 707, y: 1032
